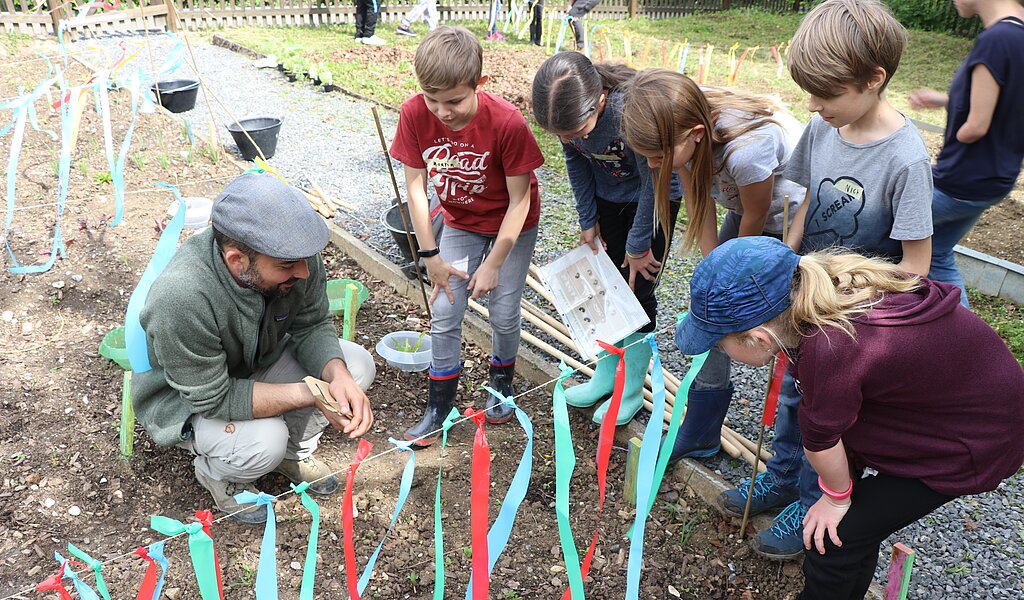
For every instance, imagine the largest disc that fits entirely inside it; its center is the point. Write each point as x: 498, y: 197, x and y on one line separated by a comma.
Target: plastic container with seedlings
x: 405, y: 350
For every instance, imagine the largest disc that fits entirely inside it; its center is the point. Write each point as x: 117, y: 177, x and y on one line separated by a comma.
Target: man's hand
x: 351, y: 401
x: 647, y: 266
x: 591, y: 237
x: 824, y: 517
x: 439, y: 270
x: 484, y: 280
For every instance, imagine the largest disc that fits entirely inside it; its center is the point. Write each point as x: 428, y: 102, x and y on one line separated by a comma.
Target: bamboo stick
x: 317, y: 204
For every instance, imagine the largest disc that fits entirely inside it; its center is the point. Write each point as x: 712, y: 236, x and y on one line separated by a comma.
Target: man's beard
x: 251, y: 279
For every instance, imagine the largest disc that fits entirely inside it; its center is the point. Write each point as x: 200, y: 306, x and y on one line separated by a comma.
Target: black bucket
x: 176, y: 95
x: 392, y: 220
x: 262, y: 130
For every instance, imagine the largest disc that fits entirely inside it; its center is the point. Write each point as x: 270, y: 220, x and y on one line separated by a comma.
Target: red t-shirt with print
x: 468, y: 167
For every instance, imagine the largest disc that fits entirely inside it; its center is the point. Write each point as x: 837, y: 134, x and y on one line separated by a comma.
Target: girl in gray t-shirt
x: 728, y: 148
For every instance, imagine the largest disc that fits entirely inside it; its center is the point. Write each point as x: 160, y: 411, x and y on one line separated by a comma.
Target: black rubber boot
x: 440, y: 398
x: 501, y: 381
x: 701, y: 432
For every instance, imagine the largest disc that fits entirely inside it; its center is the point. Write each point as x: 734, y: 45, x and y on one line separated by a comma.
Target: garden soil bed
x: 62, y: 478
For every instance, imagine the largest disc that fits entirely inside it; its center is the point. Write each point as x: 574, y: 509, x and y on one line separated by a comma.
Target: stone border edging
x: 990, y: 275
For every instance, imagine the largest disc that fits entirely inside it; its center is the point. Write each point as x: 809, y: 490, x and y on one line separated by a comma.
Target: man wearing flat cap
x: 233, y: 324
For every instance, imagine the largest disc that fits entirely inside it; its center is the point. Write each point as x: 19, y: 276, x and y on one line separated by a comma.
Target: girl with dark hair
x: 581, y: 103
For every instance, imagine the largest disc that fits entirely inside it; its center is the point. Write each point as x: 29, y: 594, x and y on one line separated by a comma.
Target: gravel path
x: 971, y: 548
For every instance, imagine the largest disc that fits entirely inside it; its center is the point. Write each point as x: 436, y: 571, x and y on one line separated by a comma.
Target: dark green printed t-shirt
x: 865, y: 197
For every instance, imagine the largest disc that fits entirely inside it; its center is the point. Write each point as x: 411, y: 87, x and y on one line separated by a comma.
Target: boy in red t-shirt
x: 479, y: 154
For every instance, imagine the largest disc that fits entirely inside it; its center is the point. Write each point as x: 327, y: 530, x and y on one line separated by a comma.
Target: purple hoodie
x: 926, y: 391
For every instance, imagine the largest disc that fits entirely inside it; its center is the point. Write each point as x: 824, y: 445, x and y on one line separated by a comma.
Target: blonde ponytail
x: 830, y: 289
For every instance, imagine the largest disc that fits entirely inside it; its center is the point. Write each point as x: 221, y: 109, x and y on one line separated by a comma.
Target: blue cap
x: 269, y: 216
x: 743, y: 283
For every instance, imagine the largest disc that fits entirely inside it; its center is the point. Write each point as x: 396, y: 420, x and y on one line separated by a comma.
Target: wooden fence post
x: 172, y: 16
x: 633, y: 9
x: 57, y: 13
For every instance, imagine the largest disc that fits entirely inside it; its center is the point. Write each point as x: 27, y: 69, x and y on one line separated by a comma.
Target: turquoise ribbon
x: 309, y: 569
x: 565, y: 464
x: 561, y: 33
x: 266, y: 572
x: 134, y: 336
x: 63, y: 175
x: 673, y: 427
x: 646, y: 466
x: 438, y: 542
x: 156, y: 552
x: 403, y: 494
x: 497, y: 536
x: 95, y: 566
x: 84, y: 591
x: 200, y: 549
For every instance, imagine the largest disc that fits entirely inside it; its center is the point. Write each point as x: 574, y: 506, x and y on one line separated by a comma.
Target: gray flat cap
x: 269, y: 216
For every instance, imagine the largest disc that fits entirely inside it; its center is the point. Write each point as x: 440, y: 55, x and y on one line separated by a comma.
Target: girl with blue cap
x: 909, y: 399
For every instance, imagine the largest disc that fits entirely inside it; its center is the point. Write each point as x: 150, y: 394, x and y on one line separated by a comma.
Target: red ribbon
x: 604, y: 450
x: 771, y: 403
x: 52, y: 583
x: 206, y: 518
x: 351, y: 576
x: 480, y: 489
x: 148, y: 587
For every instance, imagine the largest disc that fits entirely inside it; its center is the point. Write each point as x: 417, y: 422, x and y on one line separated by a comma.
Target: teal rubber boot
x: 638, y: 364
x: 600, y: 385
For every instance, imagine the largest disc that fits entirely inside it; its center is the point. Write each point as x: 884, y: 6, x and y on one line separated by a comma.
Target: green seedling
x: 164, y: 160
x: 83, y: 168
x: 101, y: 177
x: 405, y: 346
x: 139, y: 160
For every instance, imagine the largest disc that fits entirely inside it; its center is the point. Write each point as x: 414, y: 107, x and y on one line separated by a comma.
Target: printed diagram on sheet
x: 594, y: 301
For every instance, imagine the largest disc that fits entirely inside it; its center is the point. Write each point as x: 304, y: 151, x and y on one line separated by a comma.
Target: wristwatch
x: 428, y: 253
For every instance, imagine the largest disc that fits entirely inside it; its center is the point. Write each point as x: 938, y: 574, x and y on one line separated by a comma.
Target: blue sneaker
x: 768, y: 494
x: 784, y: 540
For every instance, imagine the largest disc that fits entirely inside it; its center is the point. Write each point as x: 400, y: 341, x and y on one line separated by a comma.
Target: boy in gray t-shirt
x: 868, y: 197
x: 869, y: 189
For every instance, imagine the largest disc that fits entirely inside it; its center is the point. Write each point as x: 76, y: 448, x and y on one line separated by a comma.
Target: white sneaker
x: 359, y: 40
x: 405, y: 30
x: 373, y: 40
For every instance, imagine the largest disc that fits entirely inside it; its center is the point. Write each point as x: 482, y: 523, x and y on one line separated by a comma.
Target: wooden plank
x: 632, y: 466
x: 900, y: 565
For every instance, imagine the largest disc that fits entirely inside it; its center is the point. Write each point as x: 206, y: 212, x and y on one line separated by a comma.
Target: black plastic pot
x: 392, y: 220
x: 176, y: 95
x: 262, y: 130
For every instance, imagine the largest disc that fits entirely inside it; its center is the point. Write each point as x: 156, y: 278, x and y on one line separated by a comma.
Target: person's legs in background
x: 537, y: 24
x: 577, y: 11
x: 952, y: 218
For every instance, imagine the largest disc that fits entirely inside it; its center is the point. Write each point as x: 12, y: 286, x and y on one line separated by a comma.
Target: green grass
x: 1005, y: 317
x: 930, y: 59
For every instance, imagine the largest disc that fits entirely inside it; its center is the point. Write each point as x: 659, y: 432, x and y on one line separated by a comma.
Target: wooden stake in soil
x: 127, y: 427
x: 402, y: 211
x: 757, y: 455
x: 632, y: 466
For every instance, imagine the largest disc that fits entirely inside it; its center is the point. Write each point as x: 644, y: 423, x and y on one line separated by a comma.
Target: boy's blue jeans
x: 465, y: 250
x: 952, y: 218
x: 788, y: 465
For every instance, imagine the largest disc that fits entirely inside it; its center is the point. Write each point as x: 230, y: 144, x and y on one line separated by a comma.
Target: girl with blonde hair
x: 909, y: 399
x: 725, y: 147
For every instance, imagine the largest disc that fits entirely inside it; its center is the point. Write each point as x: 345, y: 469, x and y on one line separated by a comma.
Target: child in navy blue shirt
x: 984, y: 141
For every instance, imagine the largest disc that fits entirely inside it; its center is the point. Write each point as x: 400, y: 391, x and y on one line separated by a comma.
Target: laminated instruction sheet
x: 594, y: 301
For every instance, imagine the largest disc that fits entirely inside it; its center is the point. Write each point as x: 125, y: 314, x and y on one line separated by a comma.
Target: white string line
x: 372, y: 457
